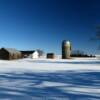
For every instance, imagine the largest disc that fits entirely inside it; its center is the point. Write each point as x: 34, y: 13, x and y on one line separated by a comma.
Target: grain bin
x: 66, y: 49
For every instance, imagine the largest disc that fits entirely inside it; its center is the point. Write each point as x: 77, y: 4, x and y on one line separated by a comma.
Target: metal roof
x: 11, y: 50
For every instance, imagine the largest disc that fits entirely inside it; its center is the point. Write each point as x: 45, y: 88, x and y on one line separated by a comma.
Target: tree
x: 77, y: 53
x: 41, y: 52
x: 98, y: 33
x: 97, y: 36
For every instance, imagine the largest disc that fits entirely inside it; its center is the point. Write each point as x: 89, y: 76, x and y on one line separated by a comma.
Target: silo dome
x: 68, y: 43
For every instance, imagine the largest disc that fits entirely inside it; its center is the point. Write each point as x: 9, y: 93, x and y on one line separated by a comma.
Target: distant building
x: 50, y: 55
x: 26, y: 54
x: 9, y: 54
x: 35, y: 55
x: 66, y: 49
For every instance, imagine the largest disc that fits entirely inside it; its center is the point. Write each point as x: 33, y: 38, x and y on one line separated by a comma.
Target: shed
x: 9, y: 54
x: 50, y: 55
x: 27, y: 53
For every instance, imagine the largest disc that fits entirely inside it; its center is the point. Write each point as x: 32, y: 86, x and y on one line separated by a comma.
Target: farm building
x: 32, y: 54
x: 26, y: 54
x: 35, y: 55
x: 9, y: 54
x: 66, y: 49
x: 50, y: 55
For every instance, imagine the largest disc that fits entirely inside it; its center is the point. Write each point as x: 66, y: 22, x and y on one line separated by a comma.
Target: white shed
x: 35, y: 55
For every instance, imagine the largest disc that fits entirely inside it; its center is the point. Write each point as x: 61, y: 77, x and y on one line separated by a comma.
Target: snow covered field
x: 49, y: 65
x: 44, y: 79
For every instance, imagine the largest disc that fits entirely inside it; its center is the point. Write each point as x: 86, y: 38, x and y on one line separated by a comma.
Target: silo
x: 66, y: 49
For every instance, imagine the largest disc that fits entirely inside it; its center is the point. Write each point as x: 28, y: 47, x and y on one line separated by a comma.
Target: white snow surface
x: 46, y: 65
x: 50, y: 79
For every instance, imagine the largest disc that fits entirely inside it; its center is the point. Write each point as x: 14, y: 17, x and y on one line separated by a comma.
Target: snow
x: 50, y: 64
x: 50, y: 79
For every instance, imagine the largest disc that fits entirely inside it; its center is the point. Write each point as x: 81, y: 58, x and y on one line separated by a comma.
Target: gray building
x: 9, y: 54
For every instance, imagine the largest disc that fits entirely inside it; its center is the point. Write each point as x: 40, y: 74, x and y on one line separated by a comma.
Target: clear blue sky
x: 32, y: 24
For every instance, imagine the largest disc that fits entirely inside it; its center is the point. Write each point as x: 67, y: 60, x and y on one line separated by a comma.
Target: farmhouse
x: 26, y: 54
x: 33, y: 54
x: 9, y: 54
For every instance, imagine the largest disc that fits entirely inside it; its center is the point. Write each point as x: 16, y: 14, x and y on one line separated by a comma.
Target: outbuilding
x: 66, y: 49
x: 50, y: 55
x: 35, y: 55
x: 30, y: 53
x: 9, y: 54
x: 27, y: 53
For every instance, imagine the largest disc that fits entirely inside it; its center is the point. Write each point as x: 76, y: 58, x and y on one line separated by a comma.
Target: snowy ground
x: 43, y: 79
x: 49, y: 65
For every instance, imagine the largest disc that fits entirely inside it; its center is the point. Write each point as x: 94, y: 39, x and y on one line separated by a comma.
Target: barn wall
x: 4, y: 54
x: 14, y: 56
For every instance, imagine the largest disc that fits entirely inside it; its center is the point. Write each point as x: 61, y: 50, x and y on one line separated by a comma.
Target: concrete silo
x: 66, y: 49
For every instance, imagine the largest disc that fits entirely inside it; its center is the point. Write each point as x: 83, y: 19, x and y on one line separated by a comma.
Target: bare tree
x: 98, y: 33
x: 41, y: 52
x: 97, y: 36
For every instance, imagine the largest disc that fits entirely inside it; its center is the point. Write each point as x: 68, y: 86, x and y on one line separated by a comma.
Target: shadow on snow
x: 50, y: 86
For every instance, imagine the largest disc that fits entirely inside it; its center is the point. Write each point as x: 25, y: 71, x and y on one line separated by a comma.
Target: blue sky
x: 33, y: 24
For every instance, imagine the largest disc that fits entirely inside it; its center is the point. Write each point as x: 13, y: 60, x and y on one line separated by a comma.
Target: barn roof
x: 28, y: 52
x: 11, y: 50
